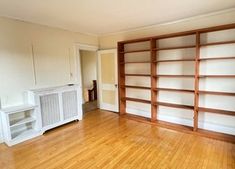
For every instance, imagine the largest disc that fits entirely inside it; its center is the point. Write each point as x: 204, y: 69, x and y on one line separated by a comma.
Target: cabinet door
x: 50, y: 109
x: 70, y: 104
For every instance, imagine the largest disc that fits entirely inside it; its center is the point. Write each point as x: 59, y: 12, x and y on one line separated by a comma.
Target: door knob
x: 116, y: 85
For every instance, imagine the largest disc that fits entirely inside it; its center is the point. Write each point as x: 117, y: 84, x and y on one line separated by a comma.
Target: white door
x: 108, y: 80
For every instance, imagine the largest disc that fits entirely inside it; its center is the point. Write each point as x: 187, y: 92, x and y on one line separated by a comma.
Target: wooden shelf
x: 135, y: 62
x: 176, y: 47
x: 176, y: 76
x: 181, y: 106
x: 217, y: 111
x: 217, y: 58
x: 135, y: 51
x: 147, y: 75
x: 176, y: 60
x: 175, y: 90
x: 155, y: 75
x: 136, y: 100
x: 218, y: 43
x: 217, y: 76
x: 216, y: 93
x: 136, y: 87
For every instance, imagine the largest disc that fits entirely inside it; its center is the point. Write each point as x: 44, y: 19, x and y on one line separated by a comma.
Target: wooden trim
x: 196, y: 83
x: 153, y: 80
x: 216, y: 93
x: 174, y: 90
x: 121, y: 79
x: 217, y: 111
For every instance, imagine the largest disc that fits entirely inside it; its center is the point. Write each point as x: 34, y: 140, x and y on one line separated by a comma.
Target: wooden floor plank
x: 105, y: 140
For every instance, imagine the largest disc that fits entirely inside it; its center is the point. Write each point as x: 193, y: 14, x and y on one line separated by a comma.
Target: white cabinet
x: 45, y: 109
x: 20, y: 123
x: 57, y: 105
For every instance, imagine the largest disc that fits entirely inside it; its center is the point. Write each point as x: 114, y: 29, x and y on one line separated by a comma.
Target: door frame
x: 116, y: 78
x: 78, y: 67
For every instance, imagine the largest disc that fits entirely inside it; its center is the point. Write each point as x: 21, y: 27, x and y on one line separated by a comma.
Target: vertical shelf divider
x: 121, y: 79
x: 196, y: 83
x: 154, y: 107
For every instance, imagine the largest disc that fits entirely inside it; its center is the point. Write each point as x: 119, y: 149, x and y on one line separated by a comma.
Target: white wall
x: 53, y: 51
x: 215, y: 122
x: 54, y: 58
x: 89, y: 71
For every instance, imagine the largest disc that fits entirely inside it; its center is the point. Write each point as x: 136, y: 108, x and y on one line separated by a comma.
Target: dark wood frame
x: 154, y: 77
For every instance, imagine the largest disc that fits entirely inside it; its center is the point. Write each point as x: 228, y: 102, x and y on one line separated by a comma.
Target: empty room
x: 124, y: 84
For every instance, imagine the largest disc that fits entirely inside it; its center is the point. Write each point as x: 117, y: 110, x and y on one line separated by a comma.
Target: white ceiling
x: 107, y: 16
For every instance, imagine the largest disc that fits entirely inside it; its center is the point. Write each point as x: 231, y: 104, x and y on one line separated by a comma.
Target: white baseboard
x: 187, y: 122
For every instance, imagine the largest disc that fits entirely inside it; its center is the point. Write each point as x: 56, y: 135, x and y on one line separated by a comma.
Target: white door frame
x: 116, y: 79
x: 78, y: 47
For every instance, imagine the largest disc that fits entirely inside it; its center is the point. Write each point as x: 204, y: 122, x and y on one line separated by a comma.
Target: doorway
x: 89, y: 79
x: 97, y: 77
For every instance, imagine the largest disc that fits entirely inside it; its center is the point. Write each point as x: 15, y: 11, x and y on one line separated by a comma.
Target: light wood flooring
x: 103, y: 140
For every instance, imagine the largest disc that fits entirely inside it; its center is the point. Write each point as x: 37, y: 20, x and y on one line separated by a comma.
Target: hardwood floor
x: 103, y: 140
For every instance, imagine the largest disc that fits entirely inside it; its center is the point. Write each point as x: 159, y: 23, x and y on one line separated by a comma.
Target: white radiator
x: 50, y: 109
x: 57, y: 105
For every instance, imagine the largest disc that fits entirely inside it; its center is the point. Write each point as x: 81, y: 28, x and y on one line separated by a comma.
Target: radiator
x: 57, y: 106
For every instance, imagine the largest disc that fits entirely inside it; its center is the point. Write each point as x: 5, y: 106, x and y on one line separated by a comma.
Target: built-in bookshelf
x: 194, y: 67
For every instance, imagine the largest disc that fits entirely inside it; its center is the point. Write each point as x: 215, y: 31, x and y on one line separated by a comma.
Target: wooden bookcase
x: 150, y: 49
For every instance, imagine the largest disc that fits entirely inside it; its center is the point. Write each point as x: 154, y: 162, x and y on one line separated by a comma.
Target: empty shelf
x: 217, y: 58
x: 135, y: 62
x: 218, y: 43
x: 218, y: 111
x: 173, y: 76
x: 135, y: 51
x: 148, y: 75
x: 181, y: 106
x: 175, y: 90
x: 23, y: 134
x: 136, y: 100
x: 176, y: 47
x: 176, y: 60
x: 17, y: 109
x: 217, y: 76
x: 22, y: 121
x: 136, y: 87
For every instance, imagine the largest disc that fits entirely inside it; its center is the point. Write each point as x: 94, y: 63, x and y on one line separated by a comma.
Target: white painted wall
x: 215, y: 122
x: 89, y: 73
x: 53, y: 51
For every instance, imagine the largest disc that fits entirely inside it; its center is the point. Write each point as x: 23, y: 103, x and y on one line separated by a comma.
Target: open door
x: 108, y: 80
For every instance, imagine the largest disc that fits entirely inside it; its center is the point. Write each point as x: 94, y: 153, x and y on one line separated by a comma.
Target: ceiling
x: 107, y: 16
